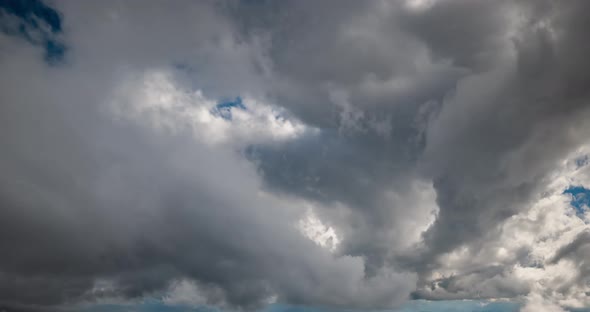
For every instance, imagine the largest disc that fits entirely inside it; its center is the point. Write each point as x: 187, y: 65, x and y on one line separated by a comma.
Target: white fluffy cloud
x: 519, y: 258
x: 155, y: 100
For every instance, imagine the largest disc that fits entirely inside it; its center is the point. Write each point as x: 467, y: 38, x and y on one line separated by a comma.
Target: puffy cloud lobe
x: 526, y: 257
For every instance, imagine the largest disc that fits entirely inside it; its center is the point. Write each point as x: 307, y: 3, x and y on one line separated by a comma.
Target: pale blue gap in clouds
x: 580, y: 198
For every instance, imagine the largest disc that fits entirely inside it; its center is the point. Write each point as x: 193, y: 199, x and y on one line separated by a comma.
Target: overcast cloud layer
x: 337, y: 154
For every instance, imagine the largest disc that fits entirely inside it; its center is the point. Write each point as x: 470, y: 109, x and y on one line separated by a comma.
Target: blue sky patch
x: 224, y: 109
x: 54, y: 51
x: 32, y: 10
x: 37, y: 23
x: 580, y: 197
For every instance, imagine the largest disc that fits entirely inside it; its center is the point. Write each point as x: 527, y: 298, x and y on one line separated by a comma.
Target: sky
x: 294, y: 156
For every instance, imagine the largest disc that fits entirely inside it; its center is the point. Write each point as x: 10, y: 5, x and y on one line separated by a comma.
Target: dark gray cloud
x: 109, y: 201
x: 500, y: 116
x: 90, y: 200
x: 430, y: 125
x: 502, y: 132
x: 579, y: 242
x: 498, y: 78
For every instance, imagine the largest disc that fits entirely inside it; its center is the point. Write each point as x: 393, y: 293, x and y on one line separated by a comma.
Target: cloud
x: 526, y: 256
x: 117, y: 179
x: 340, y: 154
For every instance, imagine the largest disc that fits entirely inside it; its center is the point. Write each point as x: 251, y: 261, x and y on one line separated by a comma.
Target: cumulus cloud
x: 339, y: 153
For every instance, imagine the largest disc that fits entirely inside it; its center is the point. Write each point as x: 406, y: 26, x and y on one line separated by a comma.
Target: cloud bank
x: 340, y: 154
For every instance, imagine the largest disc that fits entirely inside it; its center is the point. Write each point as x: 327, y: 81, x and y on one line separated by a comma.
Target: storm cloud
x: 340, y: 154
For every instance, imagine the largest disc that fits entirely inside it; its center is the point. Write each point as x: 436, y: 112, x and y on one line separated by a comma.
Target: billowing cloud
x: 352, y: 154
